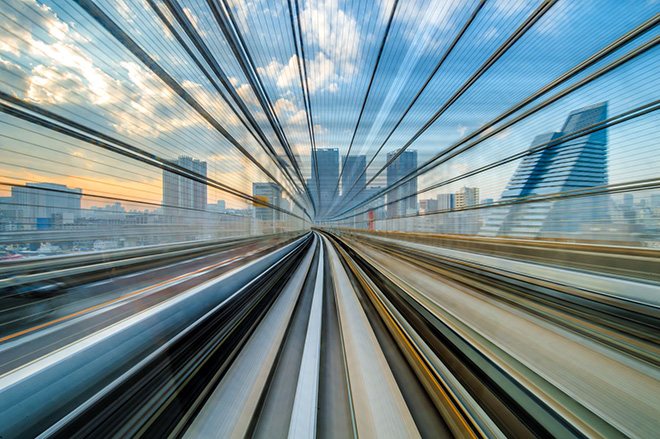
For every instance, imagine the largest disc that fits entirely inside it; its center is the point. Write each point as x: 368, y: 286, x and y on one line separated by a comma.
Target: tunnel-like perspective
x: 298, y: 219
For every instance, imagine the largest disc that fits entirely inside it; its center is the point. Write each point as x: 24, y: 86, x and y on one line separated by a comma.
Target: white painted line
x: 380, y: 409
x: 305, y: 405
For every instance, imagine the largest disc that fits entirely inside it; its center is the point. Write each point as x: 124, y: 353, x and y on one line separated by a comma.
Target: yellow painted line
x: 414, y: 350
x: 84, y: 311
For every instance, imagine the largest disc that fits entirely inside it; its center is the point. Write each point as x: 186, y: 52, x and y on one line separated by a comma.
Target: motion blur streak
x: 329, y: 218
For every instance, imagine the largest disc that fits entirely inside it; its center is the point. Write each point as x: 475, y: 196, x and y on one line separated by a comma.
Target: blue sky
x: 55, y: 55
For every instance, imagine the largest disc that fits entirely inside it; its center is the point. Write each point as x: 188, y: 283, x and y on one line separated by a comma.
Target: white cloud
x: 284, y: 105
x: 461, y: 168
x: 13, y: 48
x: 333, y: 41
x: 124, y: 10
x: 335, y: 32
x: 58, y: 29
x: 487, y: 131
x: 490, y: 34
x: 285, y: 76
x: 337, y: 36
x: 15, y: 77
x: 194, y: 20
x: 212, y: 103
x: 244, y: 9
x: 504, y: 134
x: 49, y: 84
x: 323, y: 74
x: 146, y: 83
x: 461, y: 130
x: 245, y: 93
x: 95, y: 83
x: 299, y: 118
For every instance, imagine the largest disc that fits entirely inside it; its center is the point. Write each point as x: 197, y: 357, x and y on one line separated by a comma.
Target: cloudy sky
x: 252, y: 99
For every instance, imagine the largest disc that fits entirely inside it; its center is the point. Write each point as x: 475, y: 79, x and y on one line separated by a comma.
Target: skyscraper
x: 575, y: 164
x: 354, y: 177
x: 181, y: 193
x: 446, y: 201
x: 328, y: 169
x: 271, y: 194
x: 403, y: 164
x: 429, y: 205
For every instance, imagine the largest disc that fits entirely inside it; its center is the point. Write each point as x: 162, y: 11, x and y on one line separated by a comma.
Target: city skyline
x: 560, y: 166
x: 28, y: 63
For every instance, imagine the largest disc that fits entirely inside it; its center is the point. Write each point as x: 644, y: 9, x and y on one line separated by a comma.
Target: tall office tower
x: 355, y: 165
x: 466, y: 197
x: 181, y: 193
x: 379, y: 212
x: 285, y: 205
x: 446, y: 201
x: 328, y: 169
x: 37, y: 202
x: 403, y: 164
x: 271, y: 194
x: 576, y: 164
x: 429, y: 205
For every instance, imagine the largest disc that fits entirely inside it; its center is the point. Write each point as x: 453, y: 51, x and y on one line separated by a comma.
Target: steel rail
x: 380, y: 410
x: 460, y: 417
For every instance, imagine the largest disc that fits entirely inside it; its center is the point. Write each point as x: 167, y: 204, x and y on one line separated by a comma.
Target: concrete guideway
x: 586, y: 383
x: 379, y: 408
x: 336, y: 337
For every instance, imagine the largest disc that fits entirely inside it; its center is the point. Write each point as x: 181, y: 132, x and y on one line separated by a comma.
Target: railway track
x: 338, y: 337
x: 527, y: 385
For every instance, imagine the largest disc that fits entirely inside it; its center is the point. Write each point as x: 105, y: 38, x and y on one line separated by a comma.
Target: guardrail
x: 629, y: 262
x: 27, y: 271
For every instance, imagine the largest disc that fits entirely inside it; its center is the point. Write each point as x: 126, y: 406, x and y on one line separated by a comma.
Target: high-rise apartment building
x: 181, y: 194
x: 559, y: 166
x: 406, y: 193
x: 466, y: 197
x: 269, y: 193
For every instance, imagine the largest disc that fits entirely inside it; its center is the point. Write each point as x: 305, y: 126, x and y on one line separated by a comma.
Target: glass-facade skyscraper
x: 328, y: 169
x: 354, y: 180
x: 571, y: 165
x: 403, y: 164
